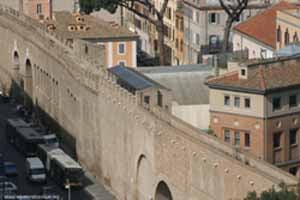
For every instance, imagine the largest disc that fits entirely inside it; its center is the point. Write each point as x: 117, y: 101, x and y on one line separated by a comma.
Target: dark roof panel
x: 133, y: 78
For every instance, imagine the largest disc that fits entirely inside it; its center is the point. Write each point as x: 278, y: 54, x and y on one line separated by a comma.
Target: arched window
x: 279, y: 34
x: 163, y: 192
x: 286, y: 37
x: 295, y: 38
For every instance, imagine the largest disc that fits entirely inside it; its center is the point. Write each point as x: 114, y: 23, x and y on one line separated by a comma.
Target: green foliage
x: 89, y: 6
x: 282, y: 194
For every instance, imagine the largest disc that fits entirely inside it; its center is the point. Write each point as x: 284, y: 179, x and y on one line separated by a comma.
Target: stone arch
x: 28, y: 85
x: 144, y: 178
x: 163, y: 192
x: 16, y: 60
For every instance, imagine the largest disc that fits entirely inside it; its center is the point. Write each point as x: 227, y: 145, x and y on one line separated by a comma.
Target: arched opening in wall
x: 163, y: 192
x: 16, y: 60
x: 144, y: 178
x: 28, y: 88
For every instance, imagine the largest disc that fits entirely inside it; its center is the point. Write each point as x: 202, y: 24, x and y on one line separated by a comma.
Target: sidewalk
x: 96, y: 190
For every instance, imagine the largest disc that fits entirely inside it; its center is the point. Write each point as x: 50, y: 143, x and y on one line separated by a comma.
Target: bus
x: 26, y: 141
x: 65, y: 171
x: 11, y: 128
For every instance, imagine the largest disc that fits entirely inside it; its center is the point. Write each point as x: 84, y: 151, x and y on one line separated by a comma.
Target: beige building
x: 37, y: 9
x: 256, y: 109
x: 288, y: 27
x: 259, y: 34
x: 119, y: 43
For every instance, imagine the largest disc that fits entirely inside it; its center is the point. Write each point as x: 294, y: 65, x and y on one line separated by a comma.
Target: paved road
x: 10, y: 154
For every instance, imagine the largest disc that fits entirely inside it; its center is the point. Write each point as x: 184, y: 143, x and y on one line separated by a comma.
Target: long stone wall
x: 133, y: 151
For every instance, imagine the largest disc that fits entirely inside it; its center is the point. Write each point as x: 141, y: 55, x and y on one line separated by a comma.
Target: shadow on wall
x: 67, y: 141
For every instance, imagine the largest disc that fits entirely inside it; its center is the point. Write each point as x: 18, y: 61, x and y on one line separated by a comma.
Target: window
x: 286, y: 37
x: 159, y: 99
x: 247, y: 139
x: 86, y: 49
x: 293, y: 136
x: 276, y: 103
x: 197, y: 39
x: 276, y: 140
x: 243, y: 72
x: 278, y: 34
x: 213, y: 40
x: 247, y: 103
x: 293, y: 170
x: 293, y: 100
x: 121, y: 49
x: 213, y: 18
x: 227, y: 100
x: 236, y: 138
x: 237, y: 102
x: 227, y: 135
x: 122, y: 63
x: 147, y: 99
x: 39, y: 8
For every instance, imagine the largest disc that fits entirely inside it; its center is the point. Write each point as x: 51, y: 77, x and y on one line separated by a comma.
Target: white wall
x: 241, y: 42
x: 196, y: 115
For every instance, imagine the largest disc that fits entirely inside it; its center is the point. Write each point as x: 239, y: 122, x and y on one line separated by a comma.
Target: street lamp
x: 68, y: 187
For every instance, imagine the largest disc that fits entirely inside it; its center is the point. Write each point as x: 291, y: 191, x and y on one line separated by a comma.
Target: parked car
x: 35, y: 170
x: 7, y: 188
x: 10, y: 169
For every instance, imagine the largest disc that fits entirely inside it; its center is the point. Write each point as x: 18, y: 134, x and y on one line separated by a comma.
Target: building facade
x: 268, y: 31
x: 288, y: 27
x: 257, y: 111
x: 204, y: 24
x: 38, y: 9
x: 119, y: 43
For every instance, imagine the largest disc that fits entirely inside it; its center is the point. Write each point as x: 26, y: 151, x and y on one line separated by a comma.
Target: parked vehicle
x: 65, y: 171
x: 26, y: 141
x: 51, y: 139
x: 61, y: 167
x: 7, y: 188
x: 35, y: 170
x: 11, y: 128
x: 47, y: 152
x: 10, y: 169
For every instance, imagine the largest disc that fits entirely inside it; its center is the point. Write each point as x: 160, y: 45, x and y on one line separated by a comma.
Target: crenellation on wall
x: 129, y: 148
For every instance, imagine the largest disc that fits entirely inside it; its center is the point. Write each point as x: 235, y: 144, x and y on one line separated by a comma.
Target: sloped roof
x: 134, y: 78
x: 262, y: 78
x: 262, y: 27
x: 187, y: 82
x: 97, y: 28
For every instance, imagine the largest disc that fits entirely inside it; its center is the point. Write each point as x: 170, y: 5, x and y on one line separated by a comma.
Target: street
x: 11, y: 154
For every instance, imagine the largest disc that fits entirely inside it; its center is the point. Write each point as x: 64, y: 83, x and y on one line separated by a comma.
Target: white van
x: 35, y: 170
x: 51, y: 139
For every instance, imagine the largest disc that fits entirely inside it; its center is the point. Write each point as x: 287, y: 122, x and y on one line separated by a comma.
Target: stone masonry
x: 133, y: 151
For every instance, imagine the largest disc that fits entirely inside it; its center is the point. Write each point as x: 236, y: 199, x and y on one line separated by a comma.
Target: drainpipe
x: 265, y: 119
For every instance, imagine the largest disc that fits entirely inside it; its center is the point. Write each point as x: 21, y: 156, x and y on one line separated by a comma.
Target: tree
x: 158, y: 20
x: 234, y: 9
x: 272, y: 194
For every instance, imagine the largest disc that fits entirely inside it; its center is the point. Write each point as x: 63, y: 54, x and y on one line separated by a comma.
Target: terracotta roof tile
x: 262, y: 77
x: 262, y: 26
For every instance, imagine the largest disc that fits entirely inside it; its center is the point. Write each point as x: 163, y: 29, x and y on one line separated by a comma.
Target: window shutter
x: 218, y: 18
x: 209, y: 18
